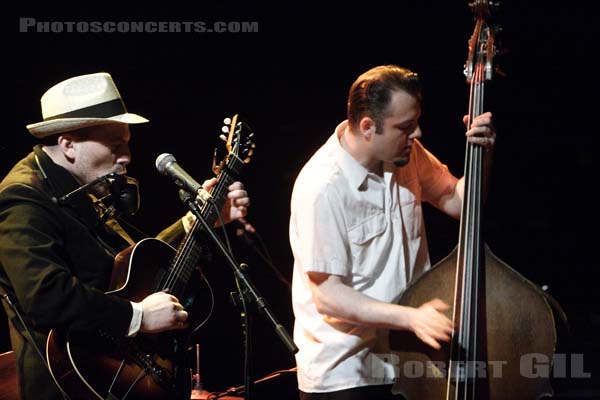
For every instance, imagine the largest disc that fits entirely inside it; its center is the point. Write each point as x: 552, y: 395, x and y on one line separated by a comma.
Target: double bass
x: 504, y: 323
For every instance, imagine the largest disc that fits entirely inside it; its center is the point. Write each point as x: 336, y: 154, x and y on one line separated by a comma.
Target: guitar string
x: 143, y: 373
x: 112, y: 384
x: 185, y: 250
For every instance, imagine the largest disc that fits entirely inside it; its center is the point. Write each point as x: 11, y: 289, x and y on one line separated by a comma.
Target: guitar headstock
x: 238, y: 138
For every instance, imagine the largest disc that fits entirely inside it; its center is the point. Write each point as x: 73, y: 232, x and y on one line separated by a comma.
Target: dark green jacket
x: 56, y: 262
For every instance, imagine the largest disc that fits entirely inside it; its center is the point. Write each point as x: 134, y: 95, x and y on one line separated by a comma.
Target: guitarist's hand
x: 162, y: 312
x: 235, y: 208
x: 237, y: 203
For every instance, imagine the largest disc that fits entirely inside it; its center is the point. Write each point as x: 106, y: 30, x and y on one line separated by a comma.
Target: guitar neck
x: 189, y: 253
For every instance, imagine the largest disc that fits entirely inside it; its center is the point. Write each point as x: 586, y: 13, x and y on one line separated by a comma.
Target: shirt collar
x: 354, y: 171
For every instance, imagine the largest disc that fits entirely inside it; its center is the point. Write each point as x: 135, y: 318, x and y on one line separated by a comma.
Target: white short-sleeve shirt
x: 369, y: 230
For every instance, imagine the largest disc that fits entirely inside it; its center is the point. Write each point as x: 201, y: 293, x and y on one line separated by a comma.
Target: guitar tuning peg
x: 227, y: 121
x: 214, y: 161
x: 225, y: 129
x: 223, y: 138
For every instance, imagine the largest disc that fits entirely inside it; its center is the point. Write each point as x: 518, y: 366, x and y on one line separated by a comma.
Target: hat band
x: 101, y: 110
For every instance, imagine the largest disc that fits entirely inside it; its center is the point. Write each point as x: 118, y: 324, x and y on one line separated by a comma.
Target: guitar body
x: 94, y: 365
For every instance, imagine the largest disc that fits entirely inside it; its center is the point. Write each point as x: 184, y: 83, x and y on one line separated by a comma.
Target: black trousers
x: 379, y: 392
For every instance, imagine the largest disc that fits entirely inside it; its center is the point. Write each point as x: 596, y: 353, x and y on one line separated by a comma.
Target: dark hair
x: 371, y: 93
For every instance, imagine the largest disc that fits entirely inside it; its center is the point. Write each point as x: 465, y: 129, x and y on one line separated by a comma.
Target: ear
x: 67, y: 146
x: 367, y: 127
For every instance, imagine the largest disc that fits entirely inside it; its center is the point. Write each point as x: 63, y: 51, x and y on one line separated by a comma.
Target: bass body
x: 515, y: 330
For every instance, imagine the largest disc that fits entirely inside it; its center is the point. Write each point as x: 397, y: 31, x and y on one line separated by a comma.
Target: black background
x: 289, y: 81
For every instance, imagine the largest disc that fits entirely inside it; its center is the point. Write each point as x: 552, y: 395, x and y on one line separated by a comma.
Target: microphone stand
x: 247, y: 290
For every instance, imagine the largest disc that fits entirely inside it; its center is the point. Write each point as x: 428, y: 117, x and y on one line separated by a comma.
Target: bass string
x: 469, y: 260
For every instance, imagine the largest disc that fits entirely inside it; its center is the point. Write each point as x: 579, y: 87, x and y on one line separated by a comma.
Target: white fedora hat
x: 82, y: 101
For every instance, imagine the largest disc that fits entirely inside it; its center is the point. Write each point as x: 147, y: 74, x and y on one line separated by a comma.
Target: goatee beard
x: 401, y: 162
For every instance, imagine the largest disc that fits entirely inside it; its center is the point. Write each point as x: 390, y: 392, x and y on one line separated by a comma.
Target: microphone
x: 167, y: 165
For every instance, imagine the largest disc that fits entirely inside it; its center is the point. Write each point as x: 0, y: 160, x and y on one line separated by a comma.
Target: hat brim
x: 60, y: 125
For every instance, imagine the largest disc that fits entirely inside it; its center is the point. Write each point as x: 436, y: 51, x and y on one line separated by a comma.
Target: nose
x: 416, y: 134
x: 124, y: 156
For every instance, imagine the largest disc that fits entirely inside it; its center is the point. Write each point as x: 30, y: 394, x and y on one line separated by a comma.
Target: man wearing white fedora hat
x: 57, y: 248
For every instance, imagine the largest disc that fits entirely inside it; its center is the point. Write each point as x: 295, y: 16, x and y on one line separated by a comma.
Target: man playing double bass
x: 358, y: 237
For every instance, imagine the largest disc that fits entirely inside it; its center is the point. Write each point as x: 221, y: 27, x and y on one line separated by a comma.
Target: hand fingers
x: 429, y: 341
x: 181, y: 315
x: 182, y: 325
x: 438, y: 326
x: 439, y: 305
x: 486, y: 116
x: 482, y: 141
x: 440, y: 330
x: 166, y: 293
x: 247, y: 225
x: 181, y: 320
x: 209, y: 183
x: 238, y: 212
x: 431, y: 335
x: 237, y: 185
x: 172, y: 299
x: 482, y: 131
x: 433, y: 324
x: 484, y: 119
x: 239, y: 197
x: 237, y: 194
x: 483, y: 136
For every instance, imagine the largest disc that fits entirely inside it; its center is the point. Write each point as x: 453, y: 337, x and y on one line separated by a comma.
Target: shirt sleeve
x: 174, y: 233
x: 136, y: 319
x: 434, y: 177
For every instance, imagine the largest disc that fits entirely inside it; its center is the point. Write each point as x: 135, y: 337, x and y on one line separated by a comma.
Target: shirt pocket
x: 366, y: 244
